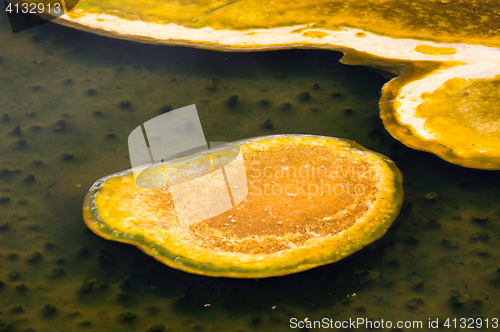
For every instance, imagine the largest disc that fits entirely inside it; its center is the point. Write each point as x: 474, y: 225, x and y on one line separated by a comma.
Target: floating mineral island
x: 296, y: 202
x: 444, y: 54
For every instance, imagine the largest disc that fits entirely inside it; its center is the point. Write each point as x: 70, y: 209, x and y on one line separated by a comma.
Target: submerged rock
x: 127, y: 316
x: 304, y: 96
x: 285, y: 107
x: 124, y: 104
x: 231, y: 101
x: 87, y: 285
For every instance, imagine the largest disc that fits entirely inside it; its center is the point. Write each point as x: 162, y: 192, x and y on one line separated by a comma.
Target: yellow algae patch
x: 309, y: 201
x: 431, y: 50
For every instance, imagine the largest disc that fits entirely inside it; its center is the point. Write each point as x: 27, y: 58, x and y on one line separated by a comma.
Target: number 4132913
x: 33, y: 8
x: 471, y: 323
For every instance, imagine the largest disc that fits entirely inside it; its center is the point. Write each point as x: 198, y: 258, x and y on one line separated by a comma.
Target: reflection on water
x: 68, y: 102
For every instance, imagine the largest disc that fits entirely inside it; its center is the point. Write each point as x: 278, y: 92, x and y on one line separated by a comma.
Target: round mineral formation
x: 261, y: 207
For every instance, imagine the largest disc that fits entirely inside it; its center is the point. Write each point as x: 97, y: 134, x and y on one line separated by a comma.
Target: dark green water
x: 63, y: 88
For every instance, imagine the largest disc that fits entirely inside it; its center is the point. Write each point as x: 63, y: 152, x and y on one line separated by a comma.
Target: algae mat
x: 68, y: 91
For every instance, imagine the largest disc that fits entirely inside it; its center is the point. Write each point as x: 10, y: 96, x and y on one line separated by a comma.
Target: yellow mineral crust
x: 311, y: 201
x: 421, y: 41
x: 472, y: 22
x: 452, y: 112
